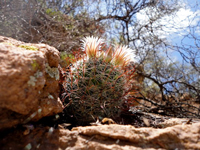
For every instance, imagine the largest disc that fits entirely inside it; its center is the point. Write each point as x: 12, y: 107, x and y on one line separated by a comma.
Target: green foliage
x: 66, y: 59
x: 56, y: 15
x: 50, y: 12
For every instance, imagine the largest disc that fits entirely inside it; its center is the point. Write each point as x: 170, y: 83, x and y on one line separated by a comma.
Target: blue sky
x: 176, y: 27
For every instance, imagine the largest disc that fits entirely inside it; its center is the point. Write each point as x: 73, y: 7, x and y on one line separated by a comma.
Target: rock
x: 109, y: 137
x: 29, y: 79
x: 179, y: 136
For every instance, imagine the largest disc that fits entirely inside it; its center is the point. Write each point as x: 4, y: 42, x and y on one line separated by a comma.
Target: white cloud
x: 172, y: 25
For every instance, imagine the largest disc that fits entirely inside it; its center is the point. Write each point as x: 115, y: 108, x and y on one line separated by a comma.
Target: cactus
x: 98, y: 83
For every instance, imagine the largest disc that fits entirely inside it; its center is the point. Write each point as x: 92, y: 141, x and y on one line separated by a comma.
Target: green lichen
x: 52, y: 72
x: 7, y: 43
x: 33, y: 48
x: 27, y: 47
x: 38, y: 74
x: 33, y: 79
x: 50, y: 96
x: 28, y: 146
x: 35, y: 65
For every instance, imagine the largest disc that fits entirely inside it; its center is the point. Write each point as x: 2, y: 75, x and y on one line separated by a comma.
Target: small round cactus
x: 97, y: 84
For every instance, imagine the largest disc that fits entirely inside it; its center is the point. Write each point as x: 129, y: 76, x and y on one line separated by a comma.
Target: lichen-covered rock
x: 109, y: 137
x: 29, y: 79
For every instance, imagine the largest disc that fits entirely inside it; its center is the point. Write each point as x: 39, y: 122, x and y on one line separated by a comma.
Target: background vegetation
x: 171, y: 86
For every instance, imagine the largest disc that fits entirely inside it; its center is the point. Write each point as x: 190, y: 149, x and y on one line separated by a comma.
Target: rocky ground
x: 32, y: 118
x: 113, y: 136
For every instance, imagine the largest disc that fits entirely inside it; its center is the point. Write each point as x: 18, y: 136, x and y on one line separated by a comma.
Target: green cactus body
x: 95, y: 88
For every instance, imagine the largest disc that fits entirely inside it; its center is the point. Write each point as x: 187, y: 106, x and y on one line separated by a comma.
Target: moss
x: 33, y: 48
x: 52, y: 72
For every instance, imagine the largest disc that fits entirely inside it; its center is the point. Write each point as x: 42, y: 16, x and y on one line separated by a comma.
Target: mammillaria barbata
x: 98, y: 83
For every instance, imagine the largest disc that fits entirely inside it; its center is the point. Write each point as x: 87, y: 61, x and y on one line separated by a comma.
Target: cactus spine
x: 98, y: 83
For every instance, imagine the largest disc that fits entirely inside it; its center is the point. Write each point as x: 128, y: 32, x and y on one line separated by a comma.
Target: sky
x: 177, y: 23
x: 175, y: 27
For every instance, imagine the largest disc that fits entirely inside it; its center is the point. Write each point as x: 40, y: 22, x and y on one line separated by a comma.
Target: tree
x: 163, y: 76
x: 49, y: 22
